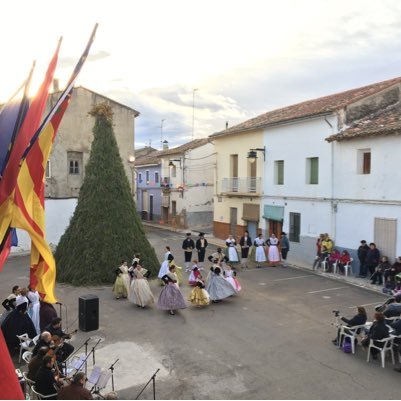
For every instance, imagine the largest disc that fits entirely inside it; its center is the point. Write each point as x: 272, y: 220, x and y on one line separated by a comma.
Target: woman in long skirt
x: 260, y: 255
x: 217, y: 286
x: 232, y: 250
x: 171, y: 297
x: 199, y: 295
x: 34, y: 308
x: 274, y: 254
x: 231, y: 276
x: 121, y: 285
x: 140, y: 293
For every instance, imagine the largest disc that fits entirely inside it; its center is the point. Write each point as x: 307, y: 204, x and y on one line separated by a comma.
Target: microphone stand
x: 153, y: 378
x: 112, y: 373
x: 87, y: 356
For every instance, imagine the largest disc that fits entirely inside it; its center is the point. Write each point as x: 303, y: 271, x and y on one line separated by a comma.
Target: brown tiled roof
x: 144, y: 151
x: 384, y: 122
x: 154, y: 157
x: 319, y: 106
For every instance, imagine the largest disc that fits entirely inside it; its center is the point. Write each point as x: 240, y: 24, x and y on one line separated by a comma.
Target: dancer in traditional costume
x: 121, y: 285
x: 217, y: 286
x: 260, y: 255
x: 199, y: 296
x: 140, y: 293
x: 34, y: 308
x: 195, y: 273
x: 168, y: 252
x: 219, y: 256
x: 188, y: 246
x: 171, y: 297
x: 164, y: 267
x: 231, y: 249
x: 231, y: 276
x: 201, y: 245
x: 178, y: 271
x: 245, y: 243
x: 9, y: 303
x: 274, y: 254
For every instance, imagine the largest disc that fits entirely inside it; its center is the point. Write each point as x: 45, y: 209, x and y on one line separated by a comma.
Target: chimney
x: 56, y: 86
x: 165, y: 145
x: 226, y: 124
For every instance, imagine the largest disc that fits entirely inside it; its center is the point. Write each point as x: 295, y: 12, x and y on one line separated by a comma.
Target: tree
x: 105, y: 227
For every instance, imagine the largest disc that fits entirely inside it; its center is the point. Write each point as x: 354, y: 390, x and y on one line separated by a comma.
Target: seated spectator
x: 359, y: 319
x: 393, y: 309
x: 390, y: 273
x: 334, y: 257
x: 377, y: 276
x: 76, y: 389
x: 45, y: 380
x: 396, y: 326
x: 344, y: 259
x: 377, y: 331
x: 397, y: 288
x: 36, y: 362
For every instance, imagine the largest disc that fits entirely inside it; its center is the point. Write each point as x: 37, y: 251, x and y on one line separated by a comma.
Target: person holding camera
x: 359, y: 319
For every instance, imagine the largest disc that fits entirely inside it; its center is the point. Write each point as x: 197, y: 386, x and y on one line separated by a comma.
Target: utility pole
x: 193, y: 112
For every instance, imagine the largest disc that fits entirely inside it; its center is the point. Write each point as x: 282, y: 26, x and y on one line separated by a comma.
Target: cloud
x: 65, y: 62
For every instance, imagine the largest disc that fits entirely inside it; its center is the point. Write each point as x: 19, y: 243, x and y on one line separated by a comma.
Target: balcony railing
x: 241, y: 185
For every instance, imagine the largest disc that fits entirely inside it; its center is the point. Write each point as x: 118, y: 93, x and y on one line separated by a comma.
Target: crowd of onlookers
x: 372, y: 265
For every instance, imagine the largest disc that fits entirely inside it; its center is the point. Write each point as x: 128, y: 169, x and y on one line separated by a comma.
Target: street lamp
x: 252, y: 155
x: 171, y: 164
x: 131, y: 161
x: 193, y: 111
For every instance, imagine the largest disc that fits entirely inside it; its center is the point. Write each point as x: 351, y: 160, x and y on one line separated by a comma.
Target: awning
x: 273, y: 212
x: 250, y: 212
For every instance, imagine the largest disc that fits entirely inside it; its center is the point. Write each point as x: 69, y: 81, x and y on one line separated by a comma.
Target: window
x: 173, y: 171
x: 174, y: 208
x: 312, y: 170
x: 295, y: 226
x: 156, y: 177
x: 48, y: 170
x: 364, y: 161
x: 139, y: 177
x: 279, y: 172
x: 147, y: 176
x: 74, y: 167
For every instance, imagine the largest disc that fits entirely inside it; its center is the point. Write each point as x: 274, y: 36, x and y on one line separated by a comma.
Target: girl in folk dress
x: 274, y: 254
x: 164, y: 267
x: 171, y: 297
x: 195, y: 273
x: 121, y: 285
x: 217, y: 287
x: 232, y: 250
x: 34, y: 309
x: 260, y: 255
x: 168, y: 252
x: 199, y: 295
x: 231, y: 276
x: 140, y: 293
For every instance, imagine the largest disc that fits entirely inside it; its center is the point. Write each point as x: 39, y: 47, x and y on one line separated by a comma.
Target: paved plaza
x: 272, y: 341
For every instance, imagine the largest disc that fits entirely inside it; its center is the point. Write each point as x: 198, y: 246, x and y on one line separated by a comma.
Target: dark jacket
x: 372, y: 257
x: 357, y: 320
x: 362, y: 252
x: 74, y: 392
x: 378, y: 331
x: 44, y: 382
x: 33, y: 367
x: 248, y: 241
x: 39, y: 344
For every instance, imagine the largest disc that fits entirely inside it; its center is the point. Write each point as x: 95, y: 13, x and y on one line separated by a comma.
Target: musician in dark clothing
x: 36, y: 362
x: 377, y: 331
x: 45, y: 340
x: 45, y: 381
x: 201, y: 245
x: 47, y: 313
x: 55, y: 330
x: 245, y: 243
x: 188, y: 245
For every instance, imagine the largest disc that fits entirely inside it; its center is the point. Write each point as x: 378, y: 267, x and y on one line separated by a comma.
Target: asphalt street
x: 272, y: 341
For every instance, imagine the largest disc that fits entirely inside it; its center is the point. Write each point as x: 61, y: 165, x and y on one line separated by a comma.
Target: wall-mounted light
x: 252, y: 154
x: 171, y: 164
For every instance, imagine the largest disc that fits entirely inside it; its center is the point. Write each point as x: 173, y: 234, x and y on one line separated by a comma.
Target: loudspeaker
x: 88, y: 312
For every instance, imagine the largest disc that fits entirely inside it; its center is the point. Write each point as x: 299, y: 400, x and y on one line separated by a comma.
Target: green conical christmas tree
x: 105, y: 227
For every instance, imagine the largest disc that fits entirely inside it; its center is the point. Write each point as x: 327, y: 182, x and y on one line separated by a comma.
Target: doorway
x: 252, y: 229
x: 150, y: 207
x: 233, y: 221
x: 275, y: 227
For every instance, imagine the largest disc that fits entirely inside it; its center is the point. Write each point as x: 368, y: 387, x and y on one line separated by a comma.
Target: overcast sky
x: 244, y: 57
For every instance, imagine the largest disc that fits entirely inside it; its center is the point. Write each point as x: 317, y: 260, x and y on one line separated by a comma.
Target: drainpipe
x: 333, y: 203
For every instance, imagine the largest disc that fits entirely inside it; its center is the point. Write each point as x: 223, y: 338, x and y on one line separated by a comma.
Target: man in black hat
x: 285, y: 247
x: 201, y: 245
x: 188, y: 245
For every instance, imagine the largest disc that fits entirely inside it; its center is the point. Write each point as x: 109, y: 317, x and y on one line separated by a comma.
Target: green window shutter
x: 280, y: 172
x: 314, y: 170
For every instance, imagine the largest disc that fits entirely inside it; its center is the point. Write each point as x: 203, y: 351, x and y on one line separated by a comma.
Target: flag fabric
x: 29, y: 212
x: 10, y: 387
x: 21, y: 141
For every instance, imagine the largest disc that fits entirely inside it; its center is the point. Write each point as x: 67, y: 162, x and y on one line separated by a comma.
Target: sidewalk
x: 296, y: 264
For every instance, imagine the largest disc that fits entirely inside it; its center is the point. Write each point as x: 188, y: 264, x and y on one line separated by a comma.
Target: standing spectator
x: 372, y: 258
x: 201, y: 245
x: 377, y: 277
x: 318, y: 257
x: 188, y: 246
x: 362, y: 252
x: 245, y: 243
x: 285, y: 247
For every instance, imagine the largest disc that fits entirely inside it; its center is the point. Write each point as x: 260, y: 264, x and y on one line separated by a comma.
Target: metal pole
x: 161, y: 134
x: 193, y: 112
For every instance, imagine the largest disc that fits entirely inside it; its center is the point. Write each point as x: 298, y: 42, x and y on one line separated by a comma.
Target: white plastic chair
x: 352, y: 333
x: 27, y: 356
x: 348, y: 267
x: 29, y: 382
x: 325, y: 264
x: 24, y: 344
x: 387, y: 346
